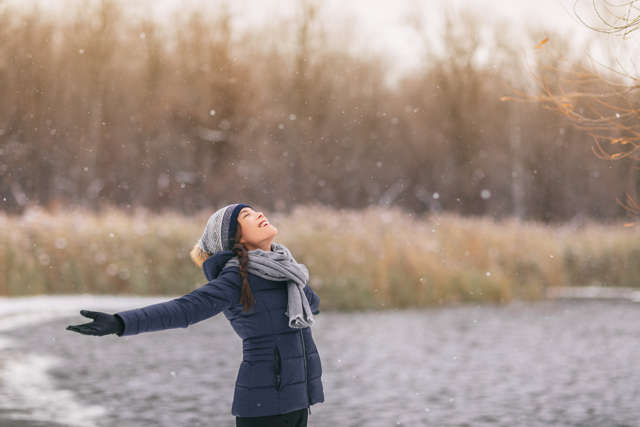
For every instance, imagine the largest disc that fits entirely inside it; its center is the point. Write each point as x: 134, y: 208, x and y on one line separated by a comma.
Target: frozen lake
x: 556, y: 363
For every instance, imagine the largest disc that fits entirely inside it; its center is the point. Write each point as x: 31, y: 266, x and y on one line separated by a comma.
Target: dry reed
x: 358, y: 259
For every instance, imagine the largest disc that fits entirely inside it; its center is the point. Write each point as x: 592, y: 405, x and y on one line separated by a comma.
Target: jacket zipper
x: 278, y: 369
x: 306, y: 381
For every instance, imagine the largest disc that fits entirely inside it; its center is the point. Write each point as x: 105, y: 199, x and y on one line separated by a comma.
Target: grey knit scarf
x: 278, y: 264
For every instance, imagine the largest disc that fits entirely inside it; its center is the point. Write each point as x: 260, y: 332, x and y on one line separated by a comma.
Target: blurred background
x: 480, y: 141
x: 193, y: 106
x: 449, y: 172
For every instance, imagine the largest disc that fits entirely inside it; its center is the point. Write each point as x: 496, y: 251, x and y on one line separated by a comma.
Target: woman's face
x: 257, y: 232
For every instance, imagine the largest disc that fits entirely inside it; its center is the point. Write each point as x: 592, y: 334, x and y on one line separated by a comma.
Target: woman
x: 262, y: 291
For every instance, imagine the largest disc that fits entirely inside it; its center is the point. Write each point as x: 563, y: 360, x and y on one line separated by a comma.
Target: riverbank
x: 549, y: 363
x: 366, y: 259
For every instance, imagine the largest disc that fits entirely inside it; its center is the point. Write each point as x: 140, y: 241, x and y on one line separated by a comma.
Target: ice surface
x: 27, y: 391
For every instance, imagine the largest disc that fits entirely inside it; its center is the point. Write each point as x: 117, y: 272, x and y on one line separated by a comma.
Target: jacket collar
x: 213, y: 265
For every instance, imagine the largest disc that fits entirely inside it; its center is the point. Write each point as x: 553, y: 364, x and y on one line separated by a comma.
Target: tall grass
x: 372, y: 258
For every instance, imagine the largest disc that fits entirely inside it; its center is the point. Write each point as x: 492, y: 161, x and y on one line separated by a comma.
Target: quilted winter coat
x: 280, y: 370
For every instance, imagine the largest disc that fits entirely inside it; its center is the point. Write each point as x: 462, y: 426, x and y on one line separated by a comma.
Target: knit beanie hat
x: 221, y: 229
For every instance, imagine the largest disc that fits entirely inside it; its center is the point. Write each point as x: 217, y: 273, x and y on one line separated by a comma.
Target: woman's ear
x: 198, y: 255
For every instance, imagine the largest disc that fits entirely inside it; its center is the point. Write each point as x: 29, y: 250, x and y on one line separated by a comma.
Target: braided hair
x: 241, y: 251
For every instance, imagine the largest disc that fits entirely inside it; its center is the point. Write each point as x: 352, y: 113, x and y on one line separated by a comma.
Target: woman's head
x: 238, y: 228
x: 219, y: 233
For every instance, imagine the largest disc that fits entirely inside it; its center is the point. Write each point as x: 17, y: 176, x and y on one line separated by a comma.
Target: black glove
x: 103, y: 324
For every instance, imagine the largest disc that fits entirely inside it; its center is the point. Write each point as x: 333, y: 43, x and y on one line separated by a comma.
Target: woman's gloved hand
x: 103, y: 324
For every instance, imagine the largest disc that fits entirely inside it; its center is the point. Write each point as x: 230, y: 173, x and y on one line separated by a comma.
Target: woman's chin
x: 271, y: 230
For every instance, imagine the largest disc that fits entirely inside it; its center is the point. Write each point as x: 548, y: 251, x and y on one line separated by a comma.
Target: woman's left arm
x: 312, y: 297
x: 194, y: 307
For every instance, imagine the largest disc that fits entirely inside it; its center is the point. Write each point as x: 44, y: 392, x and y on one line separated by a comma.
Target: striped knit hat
x: 221, y: 229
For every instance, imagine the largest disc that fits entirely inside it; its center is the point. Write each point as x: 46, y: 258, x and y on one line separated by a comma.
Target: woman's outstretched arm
x: 194, y: 307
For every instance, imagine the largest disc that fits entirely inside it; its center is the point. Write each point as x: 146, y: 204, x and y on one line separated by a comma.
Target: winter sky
x: 382, y: 25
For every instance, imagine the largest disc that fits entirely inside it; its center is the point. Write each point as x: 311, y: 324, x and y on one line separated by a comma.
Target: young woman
x: 263, y: 292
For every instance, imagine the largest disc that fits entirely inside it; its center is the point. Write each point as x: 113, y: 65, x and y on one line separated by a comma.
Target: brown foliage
x: 110, y: 107
x: 596, y: 98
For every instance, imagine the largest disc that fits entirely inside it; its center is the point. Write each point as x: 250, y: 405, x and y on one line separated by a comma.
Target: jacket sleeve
x: 198, y: 305
x: 312, y: 297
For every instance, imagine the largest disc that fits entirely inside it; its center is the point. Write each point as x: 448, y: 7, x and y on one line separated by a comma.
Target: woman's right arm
x: 194, y: 307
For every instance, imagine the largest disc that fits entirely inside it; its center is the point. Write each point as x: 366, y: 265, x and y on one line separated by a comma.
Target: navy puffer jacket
x: 280, y: 370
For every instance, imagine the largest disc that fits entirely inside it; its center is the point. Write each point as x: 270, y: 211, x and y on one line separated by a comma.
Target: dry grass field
x: 366, y: 259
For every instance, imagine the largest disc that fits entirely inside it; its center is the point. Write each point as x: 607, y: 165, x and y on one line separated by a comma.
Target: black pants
x: 290, y: 419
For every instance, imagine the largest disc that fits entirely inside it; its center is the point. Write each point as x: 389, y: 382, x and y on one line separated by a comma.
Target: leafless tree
x: 112, y: 107
x: 598, y: 98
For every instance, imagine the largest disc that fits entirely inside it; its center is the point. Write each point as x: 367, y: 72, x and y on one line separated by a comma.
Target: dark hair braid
x: 240, y: 250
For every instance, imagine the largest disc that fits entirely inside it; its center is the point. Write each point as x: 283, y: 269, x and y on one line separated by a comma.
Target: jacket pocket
x: 278, y: 369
